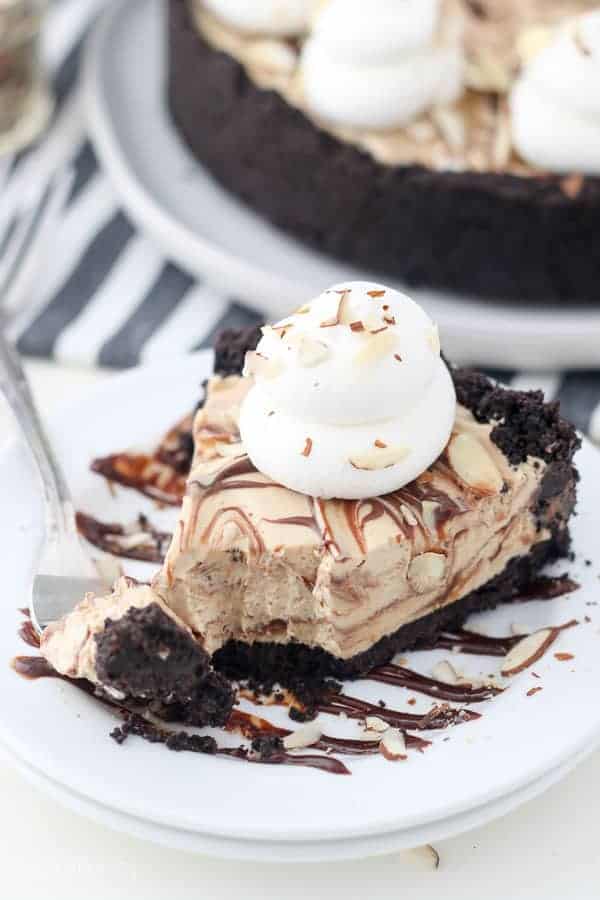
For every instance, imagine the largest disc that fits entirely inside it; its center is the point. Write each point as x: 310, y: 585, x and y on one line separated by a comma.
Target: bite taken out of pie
x: 351, y: 495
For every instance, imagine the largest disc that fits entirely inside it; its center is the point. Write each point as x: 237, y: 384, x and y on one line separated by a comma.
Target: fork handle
x: 60, y: 515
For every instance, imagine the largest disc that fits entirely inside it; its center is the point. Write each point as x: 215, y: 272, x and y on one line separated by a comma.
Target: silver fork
x: 65, y: 573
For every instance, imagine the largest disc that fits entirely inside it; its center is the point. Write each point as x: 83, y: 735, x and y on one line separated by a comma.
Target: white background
x: 550, y: 848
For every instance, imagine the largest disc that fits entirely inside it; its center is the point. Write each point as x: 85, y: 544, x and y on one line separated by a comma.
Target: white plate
x: 290, y: 852
x: 62, y: 734
x: 208, y: 232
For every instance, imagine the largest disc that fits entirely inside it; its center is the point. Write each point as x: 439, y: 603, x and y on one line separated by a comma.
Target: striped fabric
x: 106, y: 296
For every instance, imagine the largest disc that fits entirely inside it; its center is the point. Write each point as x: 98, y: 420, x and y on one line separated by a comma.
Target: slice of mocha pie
x: 319, y: 546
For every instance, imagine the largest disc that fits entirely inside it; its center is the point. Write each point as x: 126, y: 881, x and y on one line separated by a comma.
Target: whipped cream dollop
x: 351, y: 398
x: 282, y: 18
x: 379, y: 64
x: 555, y: 104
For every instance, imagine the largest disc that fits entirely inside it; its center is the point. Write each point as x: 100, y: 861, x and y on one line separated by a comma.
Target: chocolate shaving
x: 376, y: 294
x: 307, y: 447
x: 357, y: 326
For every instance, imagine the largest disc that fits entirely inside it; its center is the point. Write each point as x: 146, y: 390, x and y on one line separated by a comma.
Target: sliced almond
x: 445, y: 672
x: 427, y: 571
x: 379, y: 458
x: 430, y: 509
x: 374, y: 723
x: 338, y: 302
x: 428, y: 855
x: 258, y: 364
x: 409, y: 516
x: 310, y: 352
x: 376, y: 347
x: 528, y: 651
x: 302, y: 310
x: 393, y: 745
x: 305, y: 736
x: 473, y: 464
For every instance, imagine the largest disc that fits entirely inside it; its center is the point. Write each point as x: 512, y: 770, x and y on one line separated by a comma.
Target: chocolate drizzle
x: 144, y: 473
x: 438, y: 717
x: 458, y: 693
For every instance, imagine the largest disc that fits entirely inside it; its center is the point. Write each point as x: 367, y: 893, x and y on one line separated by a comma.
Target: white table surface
x: 548, y: 849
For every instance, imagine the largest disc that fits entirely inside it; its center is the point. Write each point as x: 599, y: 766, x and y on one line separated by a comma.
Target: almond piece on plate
x: 306, y: 736
x: 374, y: 723
x: 393, y: 745
x: 528, y: 651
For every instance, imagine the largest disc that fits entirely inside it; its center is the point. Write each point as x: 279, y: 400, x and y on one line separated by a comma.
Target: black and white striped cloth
x: 106, y: 296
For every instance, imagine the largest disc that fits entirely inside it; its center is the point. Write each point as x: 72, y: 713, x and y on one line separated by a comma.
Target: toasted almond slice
x: 310, y: 352
x: 444, y: 671
x: 376, y: 347
x: 528, y: 651
x: 257, y: 364
x: 430, y: 511
x: 305, y: 736
x: 393, y: 745
x: 379, y: 458
x: 428, y: 855
x: 409, y: 516
x: 374, y: 723
x: 473, y: 464
x: 338, y: 308
x: 426, y: 572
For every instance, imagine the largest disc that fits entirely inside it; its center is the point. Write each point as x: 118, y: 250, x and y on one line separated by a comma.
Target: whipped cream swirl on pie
x: 351, y: 398
x: 282, y: 18
x: 555, y: 104
x: 379, y: 64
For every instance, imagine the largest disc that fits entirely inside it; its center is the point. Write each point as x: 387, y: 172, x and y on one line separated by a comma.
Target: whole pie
x: 453, y: 144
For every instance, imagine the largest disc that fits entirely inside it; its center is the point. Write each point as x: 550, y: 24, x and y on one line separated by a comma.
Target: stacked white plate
x: 519, y: 746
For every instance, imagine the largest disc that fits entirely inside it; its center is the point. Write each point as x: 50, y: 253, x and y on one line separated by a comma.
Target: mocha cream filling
x: 474, y: 133
x: 253, y: 561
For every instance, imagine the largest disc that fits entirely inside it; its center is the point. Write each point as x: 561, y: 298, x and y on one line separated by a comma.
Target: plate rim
x: 568, y: 331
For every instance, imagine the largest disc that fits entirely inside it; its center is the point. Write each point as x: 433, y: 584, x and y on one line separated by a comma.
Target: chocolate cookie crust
x: 145, y: 655
x: 491, y: 234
